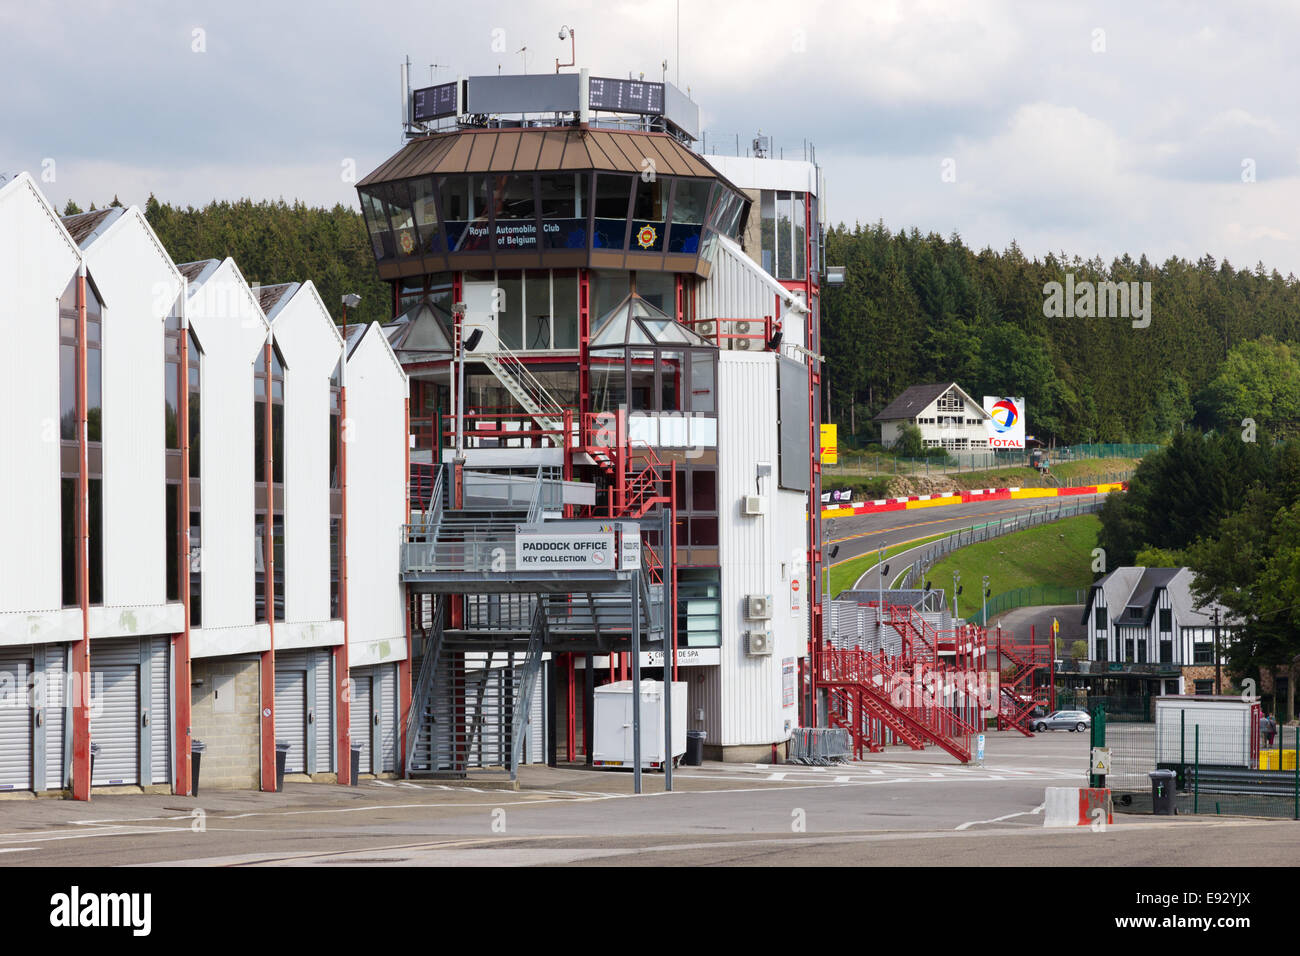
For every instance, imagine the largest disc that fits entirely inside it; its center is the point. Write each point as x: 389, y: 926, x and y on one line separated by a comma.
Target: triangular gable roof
x: 373, y: 331
x: 208, y: 269
x: 23, y: 180
x: 281, y: 295
x: 89, y: 228
x: 917, y: 398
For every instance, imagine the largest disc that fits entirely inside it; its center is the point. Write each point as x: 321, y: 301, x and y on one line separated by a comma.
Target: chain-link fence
x: 1220, y: 764
x: 1036, y: 596
x: 914, y: 575
x: 942, y: 462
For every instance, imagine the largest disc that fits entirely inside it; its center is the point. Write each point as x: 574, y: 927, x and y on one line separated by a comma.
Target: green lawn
x: 1058, y: 553
x: 844, y: 573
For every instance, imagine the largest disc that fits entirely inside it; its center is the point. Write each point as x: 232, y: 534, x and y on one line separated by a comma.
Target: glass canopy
x: 634, y: 321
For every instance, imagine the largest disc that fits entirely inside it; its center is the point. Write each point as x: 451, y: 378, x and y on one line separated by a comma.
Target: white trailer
x: 1220, y: 731
x: 613, y: 724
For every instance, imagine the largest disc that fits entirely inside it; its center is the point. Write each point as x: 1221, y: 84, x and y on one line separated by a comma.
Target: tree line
x: 277, y: 241
x: 920, y: 308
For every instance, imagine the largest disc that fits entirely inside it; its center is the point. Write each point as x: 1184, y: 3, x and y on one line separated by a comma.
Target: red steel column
x: 267, y: 669
x: 80, y: 678
x: 343, y: 675
x: 181, y: 641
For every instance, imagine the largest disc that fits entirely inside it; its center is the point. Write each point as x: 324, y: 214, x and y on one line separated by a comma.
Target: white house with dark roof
x: 1146, y: 621
x: 946, y: 415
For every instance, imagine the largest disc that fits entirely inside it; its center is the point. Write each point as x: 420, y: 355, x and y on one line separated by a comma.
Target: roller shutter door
x: 130, y: 718
x: 56, y: 656
x: 535, y: 736
x: 160, y: 716
x: 307, y: 718
x: 323, y: 710
x: 387, y: 708
x: 114, y: 710
x: 15, y: 725
x: 361, y: 722
x: 291, y: 715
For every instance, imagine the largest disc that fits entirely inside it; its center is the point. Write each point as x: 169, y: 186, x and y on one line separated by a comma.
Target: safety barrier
x: 818, y: 746
x: 912, y: 502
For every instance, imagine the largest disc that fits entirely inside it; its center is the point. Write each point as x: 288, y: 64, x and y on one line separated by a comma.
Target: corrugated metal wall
x: 231, y: 331
x: 139, y: 286
x: 311, y: 348
x: 759, y: 555
x: 738, y: 288
x: 376, y: 489
x: 37, y: 260
x: 56, y: 656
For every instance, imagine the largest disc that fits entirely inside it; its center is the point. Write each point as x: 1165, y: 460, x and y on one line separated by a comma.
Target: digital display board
x: 434, y: 102
x: 625, y: 96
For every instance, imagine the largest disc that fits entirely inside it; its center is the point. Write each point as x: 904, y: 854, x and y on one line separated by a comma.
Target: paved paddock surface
x: 898, y: 807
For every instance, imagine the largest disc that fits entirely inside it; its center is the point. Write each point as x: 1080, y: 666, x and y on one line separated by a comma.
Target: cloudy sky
x: 1094, y: 128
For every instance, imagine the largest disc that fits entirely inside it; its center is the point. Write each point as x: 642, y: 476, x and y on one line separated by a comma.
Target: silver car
x: 1071, y: 720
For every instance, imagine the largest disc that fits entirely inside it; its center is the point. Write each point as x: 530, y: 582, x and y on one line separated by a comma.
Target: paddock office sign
x: 565, y: 546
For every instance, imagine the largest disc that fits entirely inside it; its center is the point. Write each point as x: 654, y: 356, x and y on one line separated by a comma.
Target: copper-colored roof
x: 269, y: 296
x: 529, y: 150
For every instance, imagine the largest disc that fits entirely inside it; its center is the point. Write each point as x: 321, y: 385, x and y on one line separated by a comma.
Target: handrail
x: 424, y: 682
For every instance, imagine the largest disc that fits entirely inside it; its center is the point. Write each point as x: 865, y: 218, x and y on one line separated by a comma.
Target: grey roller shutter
x: 160, y: 711
x: 15, y: 726
x: 115, y: 710
x: 324, y: 710
x: 387, y: 707
x: 362, y: 686
x: 291, y: 715
x: 56, y: 702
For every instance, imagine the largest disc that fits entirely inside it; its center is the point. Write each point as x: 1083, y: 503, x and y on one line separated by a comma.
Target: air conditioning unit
x: 751, y: 505
x: 758, y: 643
x: 705, y: 329
x: 743, y: 344
x: 758, y: 607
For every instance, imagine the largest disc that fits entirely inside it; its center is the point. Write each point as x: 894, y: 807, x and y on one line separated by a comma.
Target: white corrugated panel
x: 759, y: 555
x: 311, y: 346
x: 388, y: 716
x: 362, y: 690
x: 536, y: 733
x: 139, y: 286
x: 160, y: 710
x: 56, y: 656
x: 15, y: 725
x: 376, y: 489
x: 37, y: 261
x: 291, y: 716
x: 232, y: 331
x: 114, y: 720
x: 738, y: 288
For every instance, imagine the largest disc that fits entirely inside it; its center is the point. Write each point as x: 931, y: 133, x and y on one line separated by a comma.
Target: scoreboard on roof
x: 625, y: 96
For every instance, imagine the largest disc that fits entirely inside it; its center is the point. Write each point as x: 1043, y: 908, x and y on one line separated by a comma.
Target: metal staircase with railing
x: 532, y: 396
x: 479, y: 665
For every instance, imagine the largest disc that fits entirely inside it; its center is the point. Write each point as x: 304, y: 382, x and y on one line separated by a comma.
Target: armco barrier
x: 965, y: 497
x: 1076, y: 807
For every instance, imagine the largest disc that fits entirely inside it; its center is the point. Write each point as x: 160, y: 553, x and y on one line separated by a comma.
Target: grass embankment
x: 845, y: 572
x: 1085, y: 471
x: 1059, y: 553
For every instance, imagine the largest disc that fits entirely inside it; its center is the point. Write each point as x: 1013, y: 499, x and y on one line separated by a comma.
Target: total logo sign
x: 1006, y: 424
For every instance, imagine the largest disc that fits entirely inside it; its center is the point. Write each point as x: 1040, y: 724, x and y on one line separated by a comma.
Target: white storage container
x: 613, y: 724
x: 1228, y: 730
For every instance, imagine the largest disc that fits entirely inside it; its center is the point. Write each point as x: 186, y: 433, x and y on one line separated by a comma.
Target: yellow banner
x: 830, y: 442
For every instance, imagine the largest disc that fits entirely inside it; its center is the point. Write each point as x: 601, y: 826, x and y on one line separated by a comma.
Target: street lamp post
x: 956, y: 576
x: 984, y: 605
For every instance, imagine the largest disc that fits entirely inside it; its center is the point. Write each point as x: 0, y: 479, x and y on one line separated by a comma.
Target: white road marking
x: 1007, y: 816
x: 380, y: 783
x: 19, y: 849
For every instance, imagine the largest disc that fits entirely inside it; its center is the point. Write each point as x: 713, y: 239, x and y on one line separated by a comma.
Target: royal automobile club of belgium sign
x: 565, y: 546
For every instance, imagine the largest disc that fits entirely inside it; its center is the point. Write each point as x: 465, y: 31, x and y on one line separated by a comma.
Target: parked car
x: 1071, y: 720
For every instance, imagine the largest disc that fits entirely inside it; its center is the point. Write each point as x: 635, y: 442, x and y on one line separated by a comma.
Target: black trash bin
x: 1163, y: 791
x: 196, y: 757
x: 694, y: 748
x: 281, y: 755
x: 94, y: 751
x: 356, y: 762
